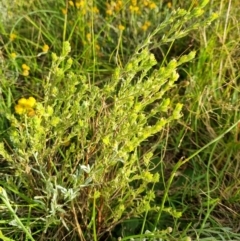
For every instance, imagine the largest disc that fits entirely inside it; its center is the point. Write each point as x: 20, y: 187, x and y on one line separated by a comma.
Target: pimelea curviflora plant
x: 82, y: 162
x: 101, y: 177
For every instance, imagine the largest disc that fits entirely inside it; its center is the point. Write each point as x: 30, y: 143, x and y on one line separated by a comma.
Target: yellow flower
x: 13, y: 55
x: 95, y: 10
x: 88, y: 36
x: 121, y: 27
x: 25, y: 67
x: 169, y: 5
x: 134, y: 2
x: 71, y: 3
x: 25, y: 72
x: 109, y: 11
x: 145, y: 3
x: 134, y: 8
x: 64, y: 11
x: 146, y: 25
x: 79, y: 4
x: 45, y: 48
x: 22, y: 102
x: 12, y: 36
x: 152, y: 5
x: 30, y: 102
x: 118, y: 5
x: 19, y: 109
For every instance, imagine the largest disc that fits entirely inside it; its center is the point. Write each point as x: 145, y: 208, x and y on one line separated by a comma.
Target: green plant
x: 85, y: 157
x: 79, y: 150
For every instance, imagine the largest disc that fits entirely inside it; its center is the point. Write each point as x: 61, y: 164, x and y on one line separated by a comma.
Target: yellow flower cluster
x: 25, y: 70
x: 149, y: 4
x: 114, y: 7
x: 134, y: 7
x: 84, y: 6
x: 152, y: 5
x: 26, y: 106
x: 80, y: 4
x: 146, y: 25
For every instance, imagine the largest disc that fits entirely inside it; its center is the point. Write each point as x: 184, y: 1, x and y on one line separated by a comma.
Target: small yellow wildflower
x: 25, y: 72
x: 13, y: 55
x: 79, y: 4
x: 145, y: 3
x: 95, y: 10
x: 121, y: 27
x: 88, y: 36
x: 30, y: 103
x: 22, y: 102
x: 25, y: 67
x: 119, y: 5
x: 109, y: 9
x: 169, y: 5
x: 152, y: 5
x: 134, y: 8
x: 64, y: 11
x: 134, y: 2
x: 146, y: 25
x: 19, y: 109
x: 109, y: 12
x: 71, y: 3
x: 12, y: 36
x: 45, y: 48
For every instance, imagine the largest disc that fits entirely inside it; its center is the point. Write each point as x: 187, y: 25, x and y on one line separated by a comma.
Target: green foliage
x: 102, y: 136
x: 81, y: 146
